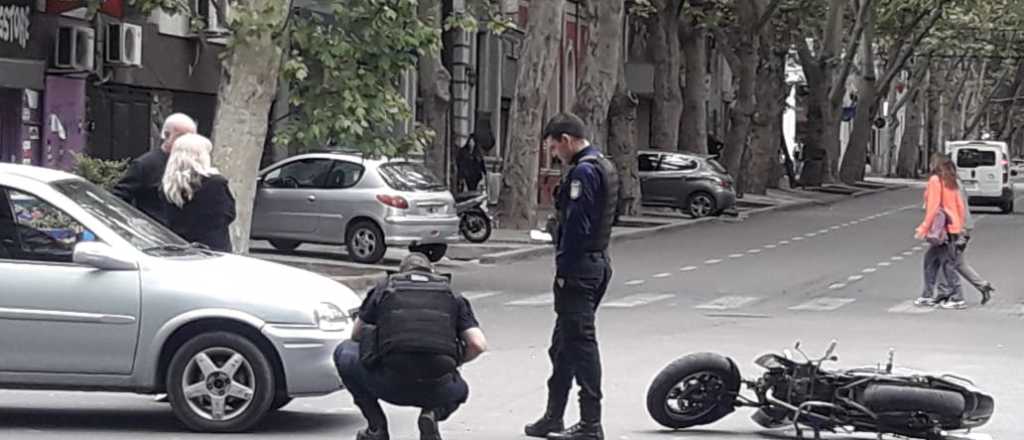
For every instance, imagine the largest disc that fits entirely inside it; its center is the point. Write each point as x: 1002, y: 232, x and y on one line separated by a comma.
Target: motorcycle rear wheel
x: 694, y: 390
x: 475, y: 226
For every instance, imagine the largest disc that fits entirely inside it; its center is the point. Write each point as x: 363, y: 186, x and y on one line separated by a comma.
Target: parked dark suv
x: 696, y: 185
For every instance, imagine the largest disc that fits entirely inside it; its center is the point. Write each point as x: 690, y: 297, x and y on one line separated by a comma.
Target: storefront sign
x: 15, y: 19
x: 114, y: 8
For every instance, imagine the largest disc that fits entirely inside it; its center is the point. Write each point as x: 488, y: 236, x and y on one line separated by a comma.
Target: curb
x: 548, y: 249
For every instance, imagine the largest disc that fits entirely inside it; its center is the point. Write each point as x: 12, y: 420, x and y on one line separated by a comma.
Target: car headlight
x: 331, y: 318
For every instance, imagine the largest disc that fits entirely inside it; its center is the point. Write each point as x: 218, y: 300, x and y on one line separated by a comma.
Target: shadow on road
x: 159, y: 420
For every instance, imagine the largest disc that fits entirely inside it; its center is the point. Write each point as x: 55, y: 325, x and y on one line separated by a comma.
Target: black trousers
x: 574, y: 349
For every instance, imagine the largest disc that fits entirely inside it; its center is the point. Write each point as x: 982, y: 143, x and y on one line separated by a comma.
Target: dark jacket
x: 140, y: 185
x: 205, y: 218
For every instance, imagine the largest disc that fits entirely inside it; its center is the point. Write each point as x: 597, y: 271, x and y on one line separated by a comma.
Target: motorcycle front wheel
x: 694, y: 390
x: 475, y: 226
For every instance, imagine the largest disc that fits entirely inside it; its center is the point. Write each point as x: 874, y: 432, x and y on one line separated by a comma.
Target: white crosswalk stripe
x: 728, y: 303
x: 544, y: 299
x: 823, y: 304
x: 638, y: 300
x: 908, y: 307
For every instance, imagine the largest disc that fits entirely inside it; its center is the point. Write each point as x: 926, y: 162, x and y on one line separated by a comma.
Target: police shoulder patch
x: 574, y: 189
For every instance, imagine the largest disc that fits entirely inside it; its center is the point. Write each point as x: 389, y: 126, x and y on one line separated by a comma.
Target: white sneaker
x: 924, y: 302
x: 954, y: 305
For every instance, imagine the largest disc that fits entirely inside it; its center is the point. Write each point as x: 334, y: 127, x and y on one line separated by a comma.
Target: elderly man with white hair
x: 141, y: 183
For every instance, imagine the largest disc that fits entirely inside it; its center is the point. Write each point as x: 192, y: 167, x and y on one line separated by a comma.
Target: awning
x: 22, y: 74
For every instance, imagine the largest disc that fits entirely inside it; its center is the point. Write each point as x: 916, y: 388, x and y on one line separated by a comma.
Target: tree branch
x: 766, y: 15
x: 728, y: 49
x: 976, y: 119
x: 839, y: 83
x: 898, y: 65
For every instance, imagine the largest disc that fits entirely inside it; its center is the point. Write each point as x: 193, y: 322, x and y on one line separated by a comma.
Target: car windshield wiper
x: 170, y: 248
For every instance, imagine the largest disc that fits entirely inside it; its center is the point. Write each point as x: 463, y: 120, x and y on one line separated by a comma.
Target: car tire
x: 201, y: 370
x: 365, y: 242
x: 434, y: 252
x: 700, y: 204
x: 285, y: 245
x: 1007, y: 207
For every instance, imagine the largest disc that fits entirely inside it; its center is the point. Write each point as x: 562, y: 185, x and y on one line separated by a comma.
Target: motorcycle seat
x: 459, y: 198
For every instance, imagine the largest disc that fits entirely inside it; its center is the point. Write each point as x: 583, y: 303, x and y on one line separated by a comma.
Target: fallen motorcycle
x: 474, y: 220
x: 702, y: 388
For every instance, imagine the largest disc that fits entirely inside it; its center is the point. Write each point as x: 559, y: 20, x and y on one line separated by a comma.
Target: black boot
x: 547, y: 424
x: 373, y: 434
x: 428, y: 426
x: 377, y: 422
x: 580, y: 431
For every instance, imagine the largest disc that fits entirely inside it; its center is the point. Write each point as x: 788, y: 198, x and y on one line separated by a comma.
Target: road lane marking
x: 908, y: 307
x: 835, y: 228
x: 715, y: 261
x: 544, y: 299
x: 638, y: 300
x: 918, y: 247
x: 855, y: 278
x: 798, y: 238
x: 736, y: 256
x: 823, y: 304
x: 836, y: 286
x: 688, y: 269
x: 908, y: 253
x: 473, y: 296
x: 728, y: 303
x: 662, y: 275
x: 870, y: 270
x: 754, y: 251
x: 884, y: 264
x: 897, y: 258
x: 783, y: 242
x: 823, y: 231
x: 811, y: 234
x: 635, y: 282
x: 770, y: 246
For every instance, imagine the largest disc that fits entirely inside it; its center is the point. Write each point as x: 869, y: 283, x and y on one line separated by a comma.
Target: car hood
x: 273, y: 293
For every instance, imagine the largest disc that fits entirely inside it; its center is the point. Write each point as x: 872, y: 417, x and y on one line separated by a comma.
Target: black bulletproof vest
x: 417, y: 326
x: 609, y: 200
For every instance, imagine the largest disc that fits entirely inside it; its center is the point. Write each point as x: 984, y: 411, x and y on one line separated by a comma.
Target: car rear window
x: 407, y: 176
x: 717, y: 166
x: 973, y: 158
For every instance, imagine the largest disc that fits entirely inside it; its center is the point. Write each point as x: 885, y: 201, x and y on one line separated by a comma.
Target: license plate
x: 971, y: 185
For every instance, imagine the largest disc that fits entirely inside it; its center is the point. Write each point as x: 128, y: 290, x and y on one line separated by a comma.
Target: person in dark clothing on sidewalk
x: 586, y: 203
x: 410, y: 338
x: 199, y: 204
x: 140, y: 185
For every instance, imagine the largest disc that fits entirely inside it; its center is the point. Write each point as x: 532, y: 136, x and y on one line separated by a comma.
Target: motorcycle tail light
x: 393, y: 201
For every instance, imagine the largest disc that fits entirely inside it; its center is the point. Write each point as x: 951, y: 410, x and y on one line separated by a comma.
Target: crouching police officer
x: 413, y: 333
x: 586, y: 203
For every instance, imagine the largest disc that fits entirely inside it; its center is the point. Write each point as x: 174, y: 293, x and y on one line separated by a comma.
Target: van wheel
x: 220, y: 382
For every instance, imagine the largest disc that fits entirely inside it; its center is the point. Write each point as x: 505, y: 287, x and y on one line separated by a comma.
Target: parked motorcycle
x: 702, y: 388
x: 474, y: 220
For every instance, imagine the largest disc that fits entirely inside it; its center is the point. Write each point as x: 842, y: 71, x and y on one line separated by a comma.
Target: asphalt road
x: 844, y: 272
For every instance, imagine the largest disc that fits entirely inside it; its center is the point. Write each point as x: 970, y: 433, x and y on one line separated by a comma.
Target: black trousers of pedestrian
x: 574, y: 349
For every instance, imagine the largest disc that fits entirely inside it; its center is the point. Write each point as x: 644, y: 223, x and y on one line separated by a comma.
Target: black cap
x: 416, y: 261
x: 565, y: 123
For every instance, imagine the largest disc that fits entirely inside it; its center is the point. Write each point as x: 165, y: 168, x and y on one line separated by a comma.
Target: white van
x: 984, y: 169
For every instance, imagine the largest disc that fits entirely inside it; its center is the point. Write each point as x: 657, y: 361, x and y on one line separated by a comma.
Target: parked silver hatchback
x: 361, y: 203
x: 94, y: 295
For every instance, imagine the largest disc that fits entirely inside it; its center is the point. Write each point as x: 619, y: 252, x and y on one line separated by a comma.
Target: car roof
x: 365, y: 160
x: 44, y: 175
x: 681, y: 153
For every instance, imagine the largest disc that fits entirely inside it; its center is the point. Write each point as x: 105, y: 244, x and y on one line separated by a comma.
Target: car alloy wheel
x: 218, y: 384
x: 364, y: 243
x: 701, y: 205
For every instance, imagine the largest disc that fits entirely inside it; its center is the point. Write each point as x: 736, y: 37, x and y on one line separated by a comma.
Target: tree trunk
x: 743, y: 109
x: 537, y: 66
x: 668, y: 99
x: 764, y: 140
x: 434, y: 89
x: 906, y: 166
x: 855, y: 158
x: 600, y: 70
x: 248, y: 83
x: 693, y: 126
x: 622, y: 143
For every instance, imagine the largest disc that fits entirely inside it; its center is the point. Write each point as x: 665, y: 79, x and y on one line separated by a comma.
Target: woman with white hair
x: 200, y: 204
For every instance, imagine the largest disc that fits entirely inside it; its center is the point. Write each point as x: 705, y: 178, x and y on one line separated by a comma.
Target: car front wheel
x: 220, y: 382
x: 700, y: 204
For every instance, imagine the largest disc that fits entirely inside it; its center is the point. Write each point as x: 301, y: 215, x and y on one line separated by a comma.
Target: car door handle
x: 311, y: 198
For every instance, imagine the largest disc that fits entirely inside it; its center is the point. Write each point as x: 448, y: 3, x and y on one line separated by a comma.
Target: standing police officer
x: 586, y: 204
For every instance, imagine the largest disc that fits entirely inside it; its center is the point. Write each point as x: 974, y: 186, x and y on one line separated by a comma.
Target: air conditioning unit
x: 75, y: 48
x: 124, y: 44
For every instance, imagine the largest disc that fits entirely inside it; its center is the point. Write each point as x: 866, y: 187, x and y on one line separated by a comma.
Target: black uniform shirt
x: 580, y: 204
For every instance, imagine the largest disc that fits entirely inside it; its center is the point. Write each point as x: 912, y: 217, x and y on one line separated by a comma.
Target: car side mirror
x: 103, y: 257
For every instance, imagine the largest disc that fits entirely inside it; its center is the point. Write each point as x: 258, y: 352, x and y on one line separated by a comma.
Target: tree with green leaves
x: 343, y: 70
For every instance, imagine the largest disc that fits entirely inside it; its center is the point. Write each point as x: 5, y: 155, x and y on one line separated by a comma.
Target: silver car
x: 96, y: 296
x: 364, y: 204
x: 696, y: 185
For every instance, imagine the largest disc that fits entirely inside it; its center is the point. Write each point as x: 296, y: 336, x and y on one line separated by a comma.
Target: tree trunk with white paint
x: 248, y: 83
x: 622, y: 146
x: 537, y: 67
x: 601, y: 64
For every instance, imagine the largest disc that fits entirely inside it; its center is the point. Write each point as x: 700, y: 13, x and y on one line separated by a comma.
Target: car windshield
x: 131, y: 224
x: 408, y: 176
